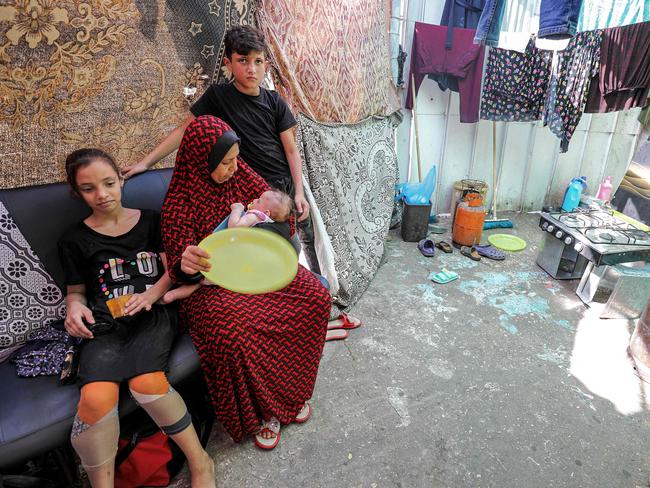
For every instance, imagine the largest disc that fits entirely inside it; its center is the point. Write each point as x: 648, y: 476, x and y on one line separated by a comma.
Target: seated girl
x: 272, y: 207
x: 115, y: 273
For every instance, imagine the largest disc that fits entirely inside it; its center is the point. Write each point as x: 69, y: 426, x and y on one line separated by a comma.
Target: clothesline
x: 596, y: 72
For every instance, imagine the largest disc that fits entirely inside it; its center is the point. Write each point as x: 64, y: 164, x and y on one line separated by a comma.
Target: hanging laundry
x: 461, y: 13
x: 623, y: 81
x: 521, y: 19
x: 575, y: 67
x: 599, y: 14
x: 557, y: 19
x: 457, y: 13
x: 464, y: 61
x: 515, y: 84
x: 489, y: 25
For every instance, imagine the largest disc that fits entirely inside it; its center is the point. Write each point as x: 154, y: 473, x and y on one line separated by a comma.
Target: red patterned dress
x: 259, y: 353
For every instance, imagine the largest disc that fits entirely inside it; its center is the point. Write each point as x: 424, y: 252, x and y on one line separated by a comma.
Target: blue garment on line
x: 557, y: 19
x: 600, y: 14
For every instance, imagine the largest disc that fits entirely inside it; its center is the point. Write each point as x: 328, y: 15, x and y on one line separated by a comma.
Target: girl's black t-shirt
x: 113, y: 266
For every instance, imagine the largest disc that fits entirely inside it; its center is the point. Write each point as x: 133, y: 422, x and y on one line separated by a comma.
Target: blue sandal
x: 426, y: 247
x: 490, y: 252
x: 444, y: 276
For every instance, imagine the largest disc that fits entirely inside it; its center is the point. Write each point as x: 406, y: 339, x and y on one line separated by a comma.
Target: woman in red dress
x: 259, y: 353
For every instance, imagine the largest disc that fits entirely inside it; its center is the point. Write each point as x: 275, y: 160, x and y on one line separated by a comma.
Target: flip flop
x: 344, y: 321
x: 490, y: 252
x: 304, y: 415
x: 336, y: 335
x: 426, y: 247
x: 444, y: 247
x: 444, y: 276
x: 470, y: 252
x: 273, y: 426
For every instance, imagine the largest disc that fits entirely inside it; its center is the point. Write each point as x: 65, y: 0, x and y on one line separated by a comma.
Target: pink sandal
x: 304, y: 415
x: 344, y: 322
x: 272, y: 426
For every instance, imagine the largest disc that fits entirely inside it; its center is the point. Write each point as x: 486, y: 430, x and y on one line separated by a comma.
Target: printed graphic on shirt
x: 140, y: 273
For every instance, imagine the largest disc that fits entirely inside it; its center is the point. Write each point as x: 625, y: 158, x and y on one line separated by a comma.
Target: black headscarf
x: 220, y: 148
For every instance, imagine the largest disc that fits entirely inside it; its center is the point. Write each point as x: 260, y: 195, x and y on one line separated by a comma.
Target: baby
x: 273, y: 207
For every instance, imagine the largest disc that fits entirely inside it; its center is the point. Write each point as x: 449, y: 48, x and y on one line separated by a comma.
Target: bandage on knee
x: 96, y: 444
x: 168, y: 411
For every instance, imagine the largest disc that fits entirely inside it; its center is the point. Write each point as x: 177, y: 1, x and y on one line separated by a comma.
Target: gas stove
x: 589, y: 244
x: 576, y: 238
x: 598, y: 236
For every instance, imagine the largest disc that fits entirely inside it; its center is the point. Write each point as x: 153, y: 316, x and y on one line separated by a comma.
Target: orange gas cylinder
x: 469, y: 220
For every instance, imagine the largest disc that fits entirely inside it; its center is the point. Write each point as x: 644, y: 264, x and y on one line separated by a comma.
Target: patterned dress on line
x: 259, y: 353
x: 515, y: 84
x: 569, y: 89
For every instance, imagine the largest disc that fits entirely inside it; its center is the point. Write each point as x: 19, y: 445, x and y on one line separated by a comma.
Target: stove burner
x: 606, y: 237
x: 601, y: 227
x: 638, y: 235
x: 571, y: 220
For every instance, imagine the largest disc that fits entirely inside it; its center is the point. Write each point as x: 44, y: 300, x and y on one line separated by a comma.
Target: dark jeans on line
x: 489, y: 25
x: 557, y: 19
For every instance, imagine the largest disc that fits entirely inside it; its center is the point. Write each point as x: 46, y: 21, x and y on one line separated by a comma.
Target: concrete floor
x: 502, y: 378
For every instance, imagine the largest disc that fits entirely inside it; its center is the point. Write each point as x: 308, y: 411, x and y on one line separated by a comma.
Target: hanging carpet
x: 77, y: 73
x: 332, y: 57
x: 351, y: 171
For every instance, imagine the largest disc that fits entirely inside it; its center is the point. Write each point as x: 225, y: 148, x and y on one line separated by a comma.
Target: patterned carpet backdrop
x: 351, y: 171
x: 332, y: 56
x: 105, y: 73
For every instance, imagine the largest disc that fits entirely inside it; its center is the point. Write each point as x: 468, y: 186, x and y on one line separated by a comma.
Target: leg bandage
x: 168, y: 411
x: 96, y: 444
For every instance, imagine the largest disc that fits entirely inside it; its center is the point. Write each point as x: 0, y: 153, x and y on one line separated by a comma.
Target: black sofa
x: 36, y: 413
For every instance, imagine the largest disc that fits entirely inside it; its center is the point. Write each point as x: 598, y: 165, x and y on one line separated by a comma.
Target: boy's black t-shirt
x: 112, y: 266
x: 258, y: 121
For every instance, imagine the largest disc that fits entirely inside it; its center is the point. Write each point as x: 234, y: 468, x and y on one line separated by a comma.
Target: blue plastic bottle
x: 573, y: 194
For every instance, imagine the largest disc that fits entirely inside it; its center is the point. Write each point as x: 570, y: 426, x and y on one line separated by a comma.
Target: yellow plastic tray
x: 507, y: 242
x: 250, y: 261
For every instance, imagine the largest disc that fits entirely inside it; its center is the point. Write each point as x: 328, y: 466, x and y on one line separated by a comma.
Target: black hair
x: 81, y: 158
x: 242, y: 39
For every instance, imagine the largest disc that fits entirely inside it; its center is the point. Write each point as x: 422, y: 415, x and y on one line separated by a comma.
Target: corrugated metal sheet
x: 531, y: 170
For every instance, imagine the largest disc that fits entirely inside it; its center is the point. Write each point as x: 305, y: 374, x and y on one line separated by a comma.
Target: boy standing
x: 260, y: 117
